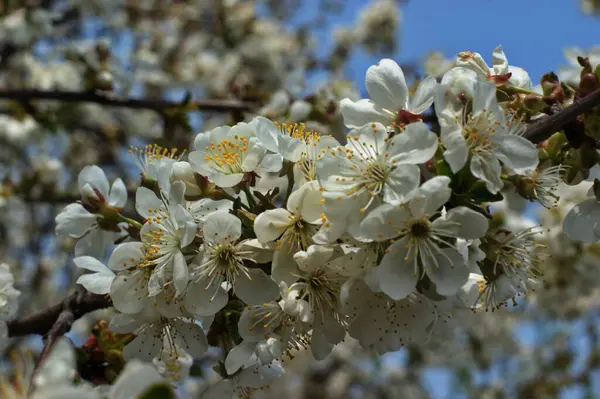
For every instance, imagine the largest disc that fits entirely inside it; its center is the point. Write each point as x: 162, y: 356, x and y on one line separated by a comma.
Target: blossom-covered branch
x: 115, y: 101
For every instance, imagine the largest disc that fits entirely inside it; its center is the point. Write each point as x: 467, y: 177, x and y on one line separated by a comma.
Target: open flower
x: 76, y: 220
x: 226, y: 153
x: 385, y: 325
x: 500, y: 72
x: 224, y: 258
x: 319, y: 285
x: 155, y: 163
x: 151, y: 328
x: 485, y: 136
x: 168, y: 229
x: 372, y: 169
x: 292, y: 228
x: 389, y: 104
x: 296, y: 144
x: 423, y: 240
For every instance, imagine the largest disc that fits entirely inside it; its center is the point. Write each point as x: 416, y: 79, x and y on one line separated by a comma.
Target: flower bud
x: 183, y: 171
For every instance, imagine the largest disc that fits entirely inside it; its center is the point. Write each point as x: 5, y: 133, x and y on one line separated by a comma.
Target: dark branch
x: 114, y: 101
x: 58, y: 319
x: 546, y: 127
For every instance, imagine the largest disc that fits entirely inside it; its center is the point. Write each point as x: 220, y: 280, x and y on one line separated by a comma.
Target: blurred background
x: 81, y: 81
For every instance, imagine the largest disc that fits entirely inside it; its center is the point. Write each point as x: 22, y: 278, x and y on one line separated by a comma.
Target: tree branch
x: 114, y: 101
x: 546, y: 127
x: 58, y: 319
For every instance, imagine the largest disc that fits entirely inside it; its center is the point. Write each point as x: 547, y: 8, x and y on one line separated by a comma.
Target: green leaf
x: 158, y: 391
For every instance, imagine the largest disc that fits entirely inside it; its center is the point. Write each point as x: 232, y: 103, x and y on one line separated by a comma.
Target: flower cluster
x: 386, y: 237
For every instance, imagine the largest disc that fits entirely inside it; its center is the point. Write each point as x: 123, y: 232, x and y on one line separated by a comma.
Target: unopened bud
x: 588, y: 83
x: 91, y: 196
x: 183, y: 171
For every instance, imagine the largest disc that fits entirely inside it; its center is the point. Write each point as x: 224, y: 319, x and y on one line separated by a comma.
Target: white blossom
x: 422, y: 242
x: 484, y: 138
x: 389, y: 103
x: 76, y: 221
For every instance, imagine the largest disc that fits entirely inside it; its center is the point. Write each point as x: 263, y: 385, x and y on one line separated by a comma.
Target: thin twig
x: 115, y: 101
x: 547, y: 126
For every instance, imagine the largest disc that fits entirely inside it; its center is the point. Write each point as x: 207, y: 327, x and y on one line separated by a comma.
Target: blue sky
x: 532, y: 32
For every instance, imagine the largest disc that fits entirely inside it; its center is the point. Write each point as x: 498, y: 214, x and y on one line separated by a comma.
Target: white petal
x: 386, y: 85
x: 471, y: 224
x: 145, y: 346
x: 74, y: 221
x: 517, y: 153
x: 181, y: 275
x: 431, y: 196
x: 239, y: 355
x: 271, y: 163
x: 202, y: 299
x: 270, y: 225
x: 416, y: 144
x: 222, y: 227
x: 362, y: 112
x: 314, y: 258
x: 124, y: 324
x: 90, y: 263
x: 450, y: 273
x: 129, y: 291
x: 456, y: 152
x: 254, y: 155
x: 259, y: 288
x: 397, y: 277
x: 424, y: 95
x: 267, y: 133
x: 95, y: 177
x: 226, y: 180
x: 146, y: 203
x: 499, y: 61
x: 97, y: 283
x: 259, y: 376
x: 284, y: 267
x: 177, y: 193
x: 320, y: 347
x: 311, y: 208
x: 191, y: 338
x: 93, y: 243
x: 487, y: 168
x: 118, y: 194
x: 126, y: 255
x: 384, y: 222
x: 400, y: 183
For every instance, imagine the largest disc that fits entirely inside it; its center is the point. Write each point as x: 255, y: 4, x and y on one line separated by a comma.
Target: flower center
x: 420, y: 228
x: 298, y: 235
x: 322, y: 290
x: 476, y: 140
x: 298, y: 131
x: 152, y: 153
x: 229, y: 154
